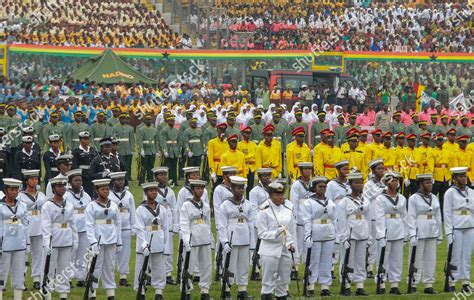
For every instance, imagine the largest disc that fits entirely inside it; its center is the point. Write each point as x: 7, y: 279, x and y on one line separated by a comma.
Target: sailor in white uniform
x: 14, y: 238
x: 64, y: 165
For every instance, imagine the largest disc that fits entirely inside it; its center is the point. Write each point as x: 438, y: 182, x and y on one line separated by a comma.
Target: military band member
x: 49, y: 158
x: 123, y: 198
x: 390, y: 215
x: 79, y: 198
x: 26, y: 158
x: 167, y: 199
x: 450, y: 143
x: 236, y: 222
x: 374, y: 146
x: 459, y: 227
x: 151, y: 225
x: 64, y: 163
x: 297, y: 151
x: 99, y: 130
x: 443, y: 161
x: 276, y: 228
x: 73, y: 130
x: 319, y: 218
x: 387, y: 152
x: 326, y: 155
x: 269, y: 152
x: 170, y: 141
x: 193, y: 143
x: 424, y: 231
x: 103, y: 221
x: 82, y: 157
x: 215, y: 149
x: 34, y: 200
x: 59, y: 235
x: 353, y: 230
x: 105, y: 162
x: 248, y: 148
x: 15, y: 238
x: 147, y: 141
x: 195, y: 227
x: 125, y: 134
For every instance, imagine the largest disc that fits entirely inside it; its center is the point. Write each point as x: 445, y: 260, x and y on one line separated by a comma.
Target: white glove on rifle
x: 383, y: 242
x: 187, y: 246
x: 406, y: 182
x: 165, y: 154
x: 214, y: 176
x: 449, y: 238
x: 226, y: 248
x: 280, y: 230
x: 158, y: 153
x: 95, y: 249
x: 308, y: 242
x: 142, y: 153
x: 413, y: 241
x: 190, y: 154
x: 347, y: 244
x: 146, y: 251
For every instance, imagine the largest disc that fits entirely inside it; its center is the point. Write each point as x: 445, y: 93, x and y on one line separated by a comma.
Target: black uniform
x: 27, y: 162
x: 4, y: 154
x: 102, y: 162
x: 83, y: 160
x: 50, y: 166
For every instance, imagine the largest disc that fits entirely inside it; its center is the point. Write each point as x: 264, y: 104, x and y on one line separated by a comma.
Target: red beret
x: 376, y: 131
x: 268, y: 129
x: 232, y: 137
x: 452, y: 130
x: 247, y: 128
x: 426, y: 135
x: 364, y: 132
x: 352, y: 131
x: 388, y: 134
x: 222, y: 125
x: 400, y: 135
x: 462, y: 138
x: 298, y: 130
x: 411, y: 136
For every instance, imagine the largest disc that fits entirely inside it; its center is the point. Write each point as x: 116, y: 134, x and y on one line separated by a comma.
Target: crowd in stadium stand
x: 91, y: 23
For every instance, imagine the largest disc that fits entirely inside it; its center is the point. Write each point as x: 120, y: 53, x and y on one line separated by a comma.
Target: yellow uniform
x: 408, y: 164
x: 216, y: 148
x: 423, y: 161
x: 470, y: 147
x: 370, y: 150
x: 464, y: 158
x: 451, y: 147
x: 325, y: 159
x: 356, y: 160
x: 294, y: 155
x: 249, y: 149
x: 443, y: 161
x: 269, y: 157
x: 389, y: 156
x: 234, y: 158
x: 345, y: 147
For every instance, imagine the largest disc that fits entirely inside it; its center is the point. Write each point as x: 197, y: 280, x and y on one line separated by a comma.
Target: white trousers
x: 13, y: 262
x: 372, y: 248
x: 60, y: 269
x: 201, y: 257
x: 300, y: 246
x: 425, y: 261
x: 36, y: 249
x: 238, y: 256
x: 169, y: 254
x: 276, y: 273
x: 321, y: 262
x: 79, y: 257
x: 393, y: 261
x: 104, y: 268
x: 357, y: 257
x: 123, y: 257
x: 462, y: 253
x: 156, y: 263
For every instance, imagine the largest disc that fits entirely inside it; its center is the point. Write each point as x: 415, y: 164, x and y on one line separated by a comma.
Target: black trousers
x: 182, y: 163
x: 128, y: 165
x: 172, y: 164
x: 250, y: 182
x: 147, y: 163
x: 439, y: 188
x: 194, y: 161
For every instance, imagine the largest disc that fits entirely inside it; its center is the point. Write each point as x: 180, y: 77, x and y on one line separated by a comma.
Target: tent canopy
x: 109, y: 68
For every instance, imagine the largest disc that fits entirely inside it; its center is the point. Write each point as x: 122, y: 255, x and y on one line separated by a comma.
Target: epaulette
x: 265, y: 206
x: 287, y: 207
x: 359, y: 151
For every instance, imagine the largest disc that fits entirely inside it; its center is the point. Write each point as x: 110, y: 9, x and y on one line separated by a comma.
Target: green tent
x: 109, y: 68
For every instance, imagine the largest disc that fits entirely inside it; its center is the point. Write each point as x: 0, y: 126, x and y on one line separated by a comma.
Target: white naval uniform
x: 59, y: 228
x: 372, y: 189
x: 298, y: 194
x: 257, y: 196
x: 126, y: 205
x: 353, y: 225
x: 236, y: 219
x: 34, y: 204
x: 319, y: 217
x: 335, y: 191
x: 459, y: 221
x: 221, y: 194
x: 107, y: 226
x: 14, y: 241
x: 79, y: 202
x: 195, y: 221
x: 49, y: 190
x: 152, y: 222
x: 274, y: 253
x: 167, y: 199
x: 390, y: 215
x: 424, y: 222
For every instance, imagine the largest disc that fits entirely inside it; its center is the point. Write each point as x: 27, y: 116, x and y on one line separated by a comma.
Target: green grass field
x: 173, y: 292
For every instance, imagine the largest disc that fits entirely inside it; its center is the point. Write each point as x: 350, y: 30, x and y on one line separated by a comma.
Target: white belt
x: 317, y: 136
x: 198, y: 221
x: 35, y: 212
x: 55, y: 169
x: 321, y: 221
x: 237, y: 220
x: 79, y: 211
x: 357, y: 217
x: 153, y: 228
x: 61, y: 225
x: 108, y: 221
x: 97, y: 139
x: 123, y: 140
x: 75, y: 140
x: 1, y: 171
x: 171, y: 142
x: 148, y: 142
x: 10, y: 221
x: 277, y: 137
x: 392, y: 216
x: 462, y: 212
x: 194, y: 141
x: 425, y: 217
x: 124, y: 210
x: 85, y: 167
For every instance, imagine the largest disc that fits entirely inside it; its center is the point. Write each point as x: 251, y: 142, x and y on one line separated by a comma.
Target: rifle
x: 255, y: 261
x: 293, y: 268
x: 345, y: 268
x: 142, y: 277
x: 218, y: 263
x: 411, y: 269
x: 380, y: 271
x: 90, y: 274
x: 225, y: 272
x: 185, y: 276
x: 448, y: 268
x: 180, y: 261
x: 307, y: 273
x: 47, y: 262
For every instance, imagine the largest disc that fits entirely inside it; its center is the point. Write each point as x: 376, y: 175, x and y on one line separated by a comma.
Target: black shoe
x: 158, y: 297
x: 413, y: 290
x: 370, y: 274
x: 111, y: 298
x: 347, y: 292
x: 71, y: 285
x: 361, y: 292
x: 196, y: 279
x: 243, y: 295
x: 80, y: 283
x: 36, y: 285
x: 395, y: 291
x: 381, y: 292
x: 452, y: 289
x: 466, y: 288
x: 429, y: 290
x: 325, y: 293
x: 188, y: 297
x: 148, y: 280
x: 294, y: 275
x: 333, y: 275
x: 92, y: 298
x: 62, y: 298
x: 266, y: 297
x: 282, y: 297
x: 227, y: 295
x: 124, y: 282
x: 310, y: 293
x: 25, y: 289
x: 205, y: 297
x: 255, y: 277
x: 169, y: 280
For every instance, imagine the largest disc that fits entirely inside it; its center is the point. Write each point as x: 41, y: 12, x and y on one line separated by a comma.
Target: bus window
x: 295, y: 84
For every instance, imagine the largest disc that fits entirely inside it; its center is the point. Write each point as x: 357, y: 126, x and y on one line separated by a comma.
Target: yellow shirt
x: 451, y: 147
x: 370, y: 150
x: 294, y: 155
x: 464, y: 158
x: 234, y: 158
x: 269, y: 157
x: 443, y: 161
x: 356, y: 160
x: 215, y: 149
x: 423, y: 160
x: 325, y: 159
x: 248, y: 149
x: 389, y: 156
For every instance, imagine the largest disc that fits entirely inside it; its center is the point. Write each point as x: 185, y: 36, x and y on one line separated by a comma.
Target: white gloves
x: 449, y: 238
x: 142, y: 153
x: 165, y: 154
x: 158, y: 153
x: 311, y: 152
x: 214, y: 176
x: 105, y: 173
x: 190, y: 154
x: 175, y: 228
x: 187, y: 246
x: 308, y: 242
x: 280, y: 230
x: 291, y: 248
x: 226, y: 248
x: 413, y: 241
x: 95, y: 249
x: 406, y: 182
x: 48, y: 250
x: 146, y: 251
x: 383, y: 242
x: 347, y: 244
